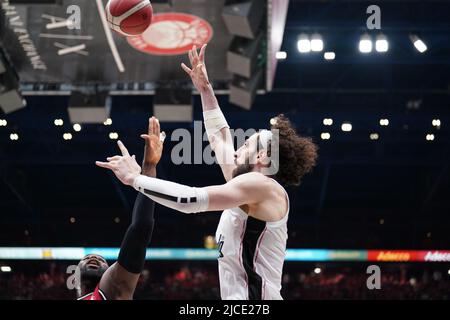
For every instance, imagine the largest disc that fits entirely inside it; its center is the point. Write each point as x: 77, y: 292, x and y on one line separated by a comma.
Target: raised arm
x: 215, y: 123
x: 120, y: 280
x: 247, y: 189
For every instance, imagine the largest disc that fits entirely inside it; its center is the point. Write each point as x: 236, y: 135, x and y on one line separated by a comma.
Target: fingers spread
x: 191, y: 57
x: 202, y: 53
x: 105, y: 165
x: 150, y: 126
x: 195, y: 52
x: 115, y: 158
x: 186, y: 68
x: 157, y: 128
x: 123, y: 149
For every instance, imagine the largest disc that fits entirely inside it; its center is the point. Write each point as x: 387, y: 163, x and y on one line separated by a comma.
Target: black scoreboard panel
x: 44, y: 48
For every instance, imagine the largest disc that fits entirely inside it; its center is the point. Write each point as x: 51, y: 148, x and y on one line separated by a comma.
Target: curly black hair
x: 297, y: 155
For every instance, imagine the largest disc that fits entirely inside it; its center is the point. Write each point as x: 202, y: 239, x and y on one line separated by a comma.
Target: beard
x: 242, y: 169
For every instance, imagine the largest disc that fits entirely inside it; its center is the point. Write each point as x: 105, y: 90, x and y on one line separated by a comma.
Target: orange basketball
x: 129, y: 17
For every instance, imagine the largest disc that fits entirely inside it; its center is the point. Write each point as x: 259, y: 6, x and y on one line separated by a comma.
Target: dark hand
x: 153, y: 147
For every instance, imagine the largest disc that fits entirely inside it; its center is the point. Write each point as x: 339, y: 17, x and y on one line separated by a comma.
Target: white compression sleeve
x: 173, y: 195
x: 214, y: 121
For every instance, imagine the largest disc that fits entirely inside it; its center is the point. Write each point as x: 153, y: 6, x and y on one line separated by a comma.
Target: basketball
x: 129, y: 17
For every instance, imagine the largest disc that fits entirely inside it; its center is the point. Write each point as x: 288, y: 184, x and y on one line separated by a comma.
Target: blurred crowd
x: 197, y: 282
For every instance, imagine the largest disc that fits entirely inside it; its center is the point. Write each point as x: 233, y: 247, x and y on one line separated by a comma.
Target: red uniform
x: 96, y: 295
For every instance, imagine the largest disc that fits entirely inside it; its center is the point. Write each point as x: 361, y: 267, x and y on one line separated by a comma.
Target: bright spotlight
x: 382, y: 44
x: 67, y: 136
x: 327, y: 122
x: 419, y: 44
x: 329, y: 55
x: 3, y: 123
x: 317, y: 270
x: 436, y: 123
x: 384, y: 122
x: 346, y: 127
x: 114, y: 136
x: 325, y: 136
x: 5, y: 269
x: 77, y: 127
x: 430, y: 137
x: 108, y: 122
x: 374, y: 136
x: 281, y: 55
x: 316, y: 43
x: 14, y: 136
x: 303, y: 44
x: 365, y: 44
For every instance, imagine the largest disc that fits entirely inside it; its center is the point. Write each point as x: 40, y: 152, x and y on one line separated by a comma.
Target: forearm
x: 139, y: 233
x: 219, y: 134
x: 173, y: 195
x: 137, y: 238
x: 148, y: 170
x: 209, y: 100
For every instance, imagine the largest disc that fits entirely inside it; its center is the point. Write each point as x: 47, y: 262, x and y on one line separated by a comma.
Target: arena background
x: 379, y: 194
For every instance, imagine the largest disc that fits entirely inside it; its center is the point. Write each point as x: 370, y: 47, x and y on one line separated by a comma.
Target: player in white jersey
x: 252, y: 232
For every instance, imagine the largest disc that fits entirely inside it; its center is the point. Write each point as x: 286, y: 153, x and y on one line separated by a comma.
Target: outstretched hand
x: 124, y: 167
x: 154, y: 141
x: 197, y: 72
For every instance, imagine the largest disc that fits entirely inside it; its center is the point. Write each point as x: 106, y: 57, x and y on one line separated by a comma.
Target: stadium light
x: 382, y: 44
x: 304, y: 44
x: 14, y: 136
x: 77, y: 127
x: 325, y: 136
x: 114, y: 136
x: 365, y: 44
x: 67, y: 136
x: 418, y: 43
x: 346, y: 127
x: 5, y: 269
x: 436, y: 123
x: 430, y: 137
x: 3, y: 123
x: 327, y: 122
x: 329, y: 55
x: 108, y: 122
x: 374, y: 136
x: 281, y: 55
x: 317, y: 270
x: 58, y: 122
x: 384, y: 122
x: 316, y: 43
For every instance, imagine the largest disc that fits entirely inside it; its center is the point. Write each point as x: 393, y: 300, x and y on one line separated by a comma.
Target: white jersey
x: 251, y: 256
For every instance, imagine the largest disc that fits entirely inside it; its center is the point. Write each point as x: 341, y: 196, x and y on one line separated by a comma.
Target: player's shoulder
x: 255, y: 181
x: 251, y: 177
